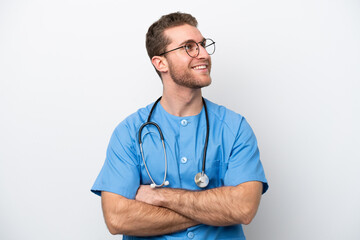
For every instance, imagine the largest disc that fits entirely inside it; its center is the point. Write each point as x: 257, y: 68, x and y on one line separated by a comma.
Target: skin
x: 136, y: 218
x: 167, y: 210
x: 218, y: 206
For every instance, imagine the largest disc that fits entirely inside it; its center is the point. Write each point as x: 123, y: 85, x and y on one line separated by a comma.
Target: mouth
x: 202, y: 67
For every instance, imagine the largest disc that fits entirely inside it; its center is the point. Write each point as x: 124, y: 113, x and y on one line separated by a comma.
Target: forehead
x: 180, y: 34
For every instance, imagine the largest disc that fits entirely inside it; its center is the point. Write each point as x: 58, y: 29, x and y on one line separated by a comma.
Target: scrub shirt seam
x: 225, y: 123
x: 132, y: 146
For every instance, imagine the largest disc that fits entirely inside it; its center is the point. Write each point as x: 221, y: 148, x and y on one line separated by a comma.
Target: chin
x: 191, y: 81
x: 202, y: 84
x: 207, y: 83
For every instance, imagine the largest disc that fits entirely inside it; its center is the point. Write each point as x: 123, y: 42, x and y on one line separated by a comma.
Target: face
x: 184, y: 70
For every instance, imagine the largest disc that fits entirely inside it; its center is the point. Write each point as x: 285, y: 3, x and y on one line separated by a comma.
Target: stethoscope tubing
x: 199, y: 180
x: 206, y: 138
x: 147, y: 170
x: 153, y: 185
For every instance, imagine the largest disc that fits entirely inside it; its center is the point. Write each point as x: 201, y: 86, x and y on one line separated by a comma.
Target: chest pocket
x: 215, y: 166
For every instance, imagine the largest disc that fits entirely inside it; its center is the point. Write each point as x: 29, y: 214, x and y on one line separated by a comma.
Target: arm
x: 218, y: 206
x: 130, y: 217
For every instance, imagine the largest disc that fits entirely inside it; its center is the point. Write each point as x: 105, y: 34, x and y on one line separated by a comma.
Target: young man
x: 205, y: 179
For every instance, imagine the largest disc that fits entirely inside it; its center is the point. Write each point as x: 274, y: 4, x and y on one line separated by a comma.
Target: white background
x: 70, y: 71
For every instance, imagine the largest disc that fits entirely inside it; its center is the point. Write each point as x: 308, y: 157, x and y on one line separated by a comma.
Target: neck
x: 182, y: 102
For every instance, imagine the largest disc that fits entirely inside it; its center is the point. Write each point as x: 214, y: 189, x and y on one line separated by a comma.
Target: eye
x: 190, y: 46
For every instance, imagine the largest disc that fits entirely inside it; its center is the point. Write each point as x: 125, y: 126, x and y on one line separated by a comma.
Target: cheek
x: 184, y: 61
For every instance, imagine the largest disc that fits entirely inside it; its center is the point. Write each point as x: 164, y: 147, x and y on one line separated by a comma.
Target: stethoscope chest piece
x: 202, y: 180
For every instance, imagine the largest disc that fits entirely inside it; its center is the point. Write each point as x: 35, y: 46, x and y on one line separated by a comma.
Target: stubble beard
x: 186, y: 79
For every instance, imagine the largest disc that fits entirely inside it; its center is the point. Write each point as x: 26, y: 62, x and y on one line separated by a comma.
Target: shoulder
x: 132, y: 123
x: 224, y: 116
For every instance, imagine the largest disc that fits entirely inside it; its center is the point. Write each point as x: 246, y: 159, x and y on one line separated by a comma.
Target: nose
x: 203, y: 54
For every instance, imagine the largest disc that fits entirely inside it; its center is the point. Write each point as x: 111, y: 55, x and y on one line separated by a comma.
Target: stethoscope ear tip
x: 166, y: 183
x: 152, y: 185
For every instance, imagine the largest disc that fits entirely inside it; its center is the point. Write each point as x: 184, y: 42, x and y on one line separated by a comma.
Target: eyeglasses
x: 192, y: 48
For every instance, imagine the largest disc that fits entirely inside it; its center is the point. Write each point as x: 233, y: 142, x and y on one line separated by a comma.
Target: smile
x: 200, y: 67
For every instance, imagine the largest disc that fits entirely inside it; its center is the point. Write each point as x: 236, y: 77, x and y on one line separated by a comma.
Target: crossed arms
x: 167, y: 210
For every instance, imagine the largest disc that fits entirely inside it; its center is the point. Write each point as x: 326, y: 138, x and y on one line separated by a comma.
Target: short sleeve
x: 120, y: 172
x: 244, y: 162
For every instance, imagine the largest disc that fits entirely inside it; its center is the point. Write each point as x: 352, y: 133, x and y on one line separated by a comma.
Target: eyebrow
x: 191, y: 40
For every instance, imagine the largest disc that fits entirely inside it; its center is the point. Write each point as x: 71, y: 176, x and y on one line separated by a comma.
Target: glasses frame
x: 198, y: 47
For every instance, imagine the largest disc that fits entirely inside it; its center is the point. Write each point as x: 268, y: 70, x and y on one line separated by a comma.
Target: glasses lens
x: 209, y: 45
x: 192, y: 49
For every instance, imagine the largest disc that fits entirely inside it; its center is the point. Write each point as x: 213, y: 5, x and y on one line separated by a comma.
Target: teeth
x: 200, y: 67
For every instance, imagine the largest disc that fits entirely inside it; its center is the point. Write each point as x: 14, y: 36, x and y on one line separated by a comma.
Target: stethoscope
x: 201, y: 179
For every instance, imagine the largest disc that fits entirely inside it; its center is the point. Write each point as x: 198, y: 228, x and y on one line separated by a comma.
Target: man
x: 148, y: 189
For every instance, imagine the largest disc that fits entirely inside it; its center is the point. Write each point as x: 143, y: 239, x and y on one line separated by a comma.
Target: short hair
x: 156, y: 41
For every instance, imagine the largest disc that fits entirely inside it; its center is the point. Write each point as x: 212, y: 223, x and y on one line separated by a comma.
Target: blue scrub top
x: 232, y: 158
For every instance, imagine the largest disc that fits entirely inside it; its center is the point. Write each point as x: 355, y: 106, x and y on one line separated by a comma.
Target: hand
x: 148, y: 195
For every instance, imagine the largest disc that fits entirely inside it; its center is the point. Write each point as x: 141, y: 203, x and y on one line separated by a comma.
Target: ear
x: 160, y: 63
